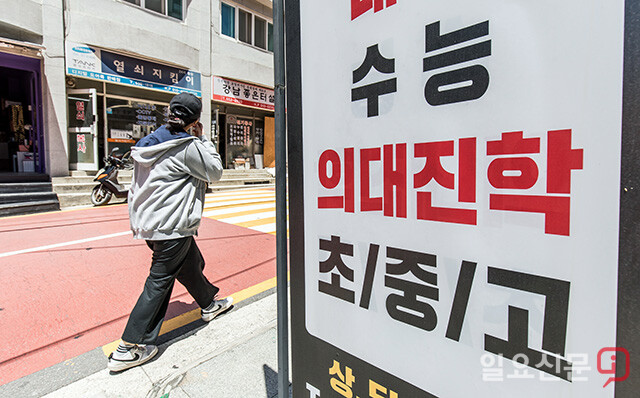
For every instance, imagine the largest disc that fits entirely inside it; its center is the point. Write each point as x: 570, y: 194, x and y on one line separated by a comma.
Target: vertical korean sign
x: 455, y: 202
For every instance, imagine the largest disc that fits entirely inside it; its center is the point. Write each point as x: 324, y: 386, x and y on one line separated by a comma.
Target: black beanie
x: 186, y: 106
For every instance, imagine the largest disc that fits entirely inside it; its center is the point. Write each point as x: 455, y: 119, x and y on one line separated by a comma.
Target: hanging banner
x: 94, y: 63
x: 455, y: 201
x: 235, y: 92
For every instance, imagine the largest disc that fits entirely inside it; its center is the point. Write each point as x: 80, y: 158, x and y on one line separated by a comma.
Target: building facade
x: 79, y: 78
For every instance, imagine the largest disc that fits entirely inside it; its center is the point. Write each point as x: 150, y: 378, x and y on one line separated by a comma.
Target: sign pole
x: 628, y: 320
x: 281, y: 200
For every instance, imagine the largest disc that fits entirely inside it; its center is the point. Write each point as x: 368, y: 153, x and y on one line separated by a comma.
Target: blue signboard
x: 93, y: 63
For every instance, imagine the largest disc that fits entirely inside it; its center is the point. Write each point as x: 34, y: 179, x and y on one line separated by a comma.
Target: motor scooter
x: 107, y: 179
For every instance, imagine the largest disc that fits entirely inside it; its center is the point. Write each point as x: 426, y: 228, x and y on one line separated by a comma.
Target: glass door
x: 82, y: 108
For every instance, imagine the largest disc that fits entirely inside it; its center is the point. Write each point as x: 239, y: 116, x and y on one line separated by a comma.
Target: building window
x: 171, y: 8
x: 260, y: 33
x: 252, y: 29
x: 228, y: 20
x: 174, y: 9
x: 244, y: 26
x: 154, y: 5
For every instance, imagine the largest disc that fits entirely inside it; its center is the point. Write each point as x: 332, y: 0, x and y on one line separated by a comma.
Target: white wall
x: 22, y: 20
x: 124, y: 27
x: 53, y: 90
x: 194, y: 43
x: 41, y: 22
x: 237, y: 60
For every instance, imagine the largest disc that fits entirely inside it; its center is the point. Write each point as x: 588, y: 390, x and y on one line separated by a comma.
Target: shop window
x: 128, y: 121
x: 171, y: 8
x: 270, y: 37
x: 260, y: 33
x: 244, y: 26
x: 239, y: 146
x: 228, y: 20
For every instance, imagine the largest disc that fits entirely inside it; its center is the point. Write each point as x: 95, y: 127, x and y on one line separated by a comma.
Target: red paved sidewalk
x: 62, y: 302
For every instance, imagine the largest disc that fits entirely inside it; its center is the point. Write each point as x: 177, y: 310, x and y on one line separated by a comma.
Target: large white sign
x: 462, y: 168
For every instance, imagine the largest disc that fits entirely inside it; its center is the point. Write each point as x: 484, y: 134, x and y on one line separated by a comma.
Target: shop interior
x: 240, y: 136
x: 126, y: 114
x: 16, y: 137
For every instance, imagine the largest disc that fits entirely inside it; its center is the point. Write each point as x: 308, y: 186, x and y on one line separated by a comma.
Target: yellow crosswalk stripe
x: 242, y: 213
x: 255, y: 223
x: 239, y: 199
x: 254, y: 209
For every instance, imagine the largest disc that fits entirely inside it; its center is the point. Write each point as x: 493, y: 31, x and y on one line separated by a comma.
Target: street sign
x: 455, y: 197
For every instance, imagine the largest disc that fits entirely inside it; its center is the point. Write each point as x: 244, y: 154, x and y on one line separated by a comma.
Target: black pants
x: 174, y: 258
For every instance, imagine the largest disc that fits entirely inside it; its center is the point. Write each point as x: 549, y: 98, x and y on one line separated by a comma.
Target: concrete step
x: 6, y: 198
x: 25, y: 187
x: 247, y: 181
x: 63, y: 184
x: 217, y: 188
x: 92, y: 173
x: 81, y: 199
x: 83, y: 179
x: 23, y: 177
x: 74, y: 199
x: 15, y: 209
x: 74, y: 187
x: 71, y: 198
x: 246, y: 173
x: 225, y: 172
x: 75, y: 190
x: 81, y: 187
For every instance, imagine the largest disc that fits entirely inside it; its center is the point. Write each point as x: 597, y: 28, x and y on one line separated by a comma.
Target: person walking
x: 171, y: 170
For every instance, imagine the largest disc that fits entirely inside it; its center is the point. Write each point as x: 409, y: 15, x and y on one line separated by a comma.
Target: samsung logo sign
x: 84, y: 50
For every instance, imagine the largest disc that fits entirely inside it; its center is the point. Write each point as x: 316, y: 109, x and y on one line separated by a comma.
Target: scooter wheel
x: 100, y: 196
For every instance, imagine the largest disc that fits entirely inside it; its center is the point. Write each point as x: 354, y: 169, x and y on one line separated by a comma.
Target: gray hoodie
x: 169, y: 183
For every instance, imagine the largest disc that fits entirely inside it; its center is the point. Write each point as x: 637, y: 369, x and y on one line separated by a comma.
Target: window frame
x: 141, y: 4
x: 236, y: 7
x: 235, y: 22
x: 250, y: 14
x: 265, y: 31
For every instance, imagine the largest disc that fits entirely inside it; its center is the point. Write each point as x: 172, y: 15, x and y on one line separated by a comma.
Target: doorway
x: 16, y: 121
x: 21, y: 140
x: 82, y: 106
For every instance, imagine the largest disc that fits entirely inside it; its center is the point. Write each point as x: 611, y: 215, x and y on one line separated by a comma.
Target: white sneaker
x: 128, y: 357
x: 216, y: 308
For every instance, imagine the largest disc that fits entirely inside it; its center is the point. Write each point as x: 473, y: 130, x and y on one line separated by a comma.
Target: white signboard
x: 462, y: 168
x: 235, y: 92
x: 121, y: 134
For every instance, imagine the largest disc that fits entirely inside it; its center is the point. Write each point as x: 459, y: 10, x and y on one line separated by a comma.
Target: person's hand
x: 196, y: 130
